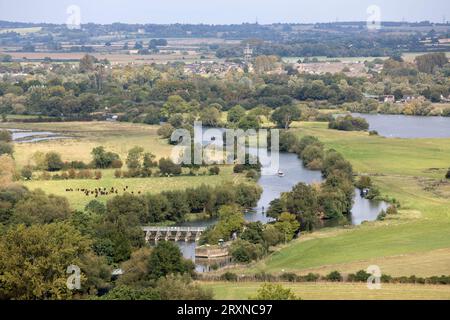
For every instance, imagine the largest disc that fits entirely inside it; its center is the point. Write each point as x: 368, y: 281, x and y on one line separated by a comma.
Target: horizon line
x: 231, y: 24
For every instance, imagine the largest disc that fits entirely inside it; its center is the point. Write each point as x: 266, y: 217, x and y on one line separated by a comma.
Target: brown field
x: 114, y: 136
x: 115, y: 58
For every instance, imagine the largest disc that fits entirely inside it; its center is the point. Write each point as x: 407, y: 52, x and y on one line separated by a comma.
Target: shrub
x: 252, y: 174
x: 349, y: 123
x: 334, y: 276
x: 289, y: 277
x: 271, y: 292
x: 392, y: 210
x: 165, y: 131
x: 168, y: 167
x: 382, y: 216
x: 448, y: 174
x: 245, y: 252
x: 45, y: 176
x: 5, y: 136
x: 76, y: 165
x: 239, y: 168
x: 311, y: 277
x: 385, y: 278
x: 360, y: 276
x: 116, y: 164
x: 27, y: 173
x: 214, y: 171
x: 84, y: 174
x: 98, y: 175
x: 265, y: 277
x: 6, y: 148
x: 103, y: 159
x: 54, y: 162
x: 96, y: 207
x: 364, y: 182
x: 72, y: 174
x: 229, y: 276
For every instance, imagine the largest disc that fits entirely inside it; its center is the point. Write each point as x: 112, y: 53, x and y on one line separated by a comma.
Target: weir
x: 186, y: 234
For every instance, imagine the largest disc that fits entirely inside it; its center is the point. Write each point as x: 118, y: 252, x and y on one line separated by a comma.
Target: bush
x: 392, y: 210
x: 165, y: 131
x: 5, y: 136
x: 360, y: 276
x: 75, y: 165
x: 349, y: 123
x: 168, y: 167
x: 364, y: 182
x: 6, y: 148
x: 27, y: 173
x: 252, y: 174
x: 334, y: 276
x: 310, y: 277
x: 244, y: 252
x: 118, y: 173
x: 239, y: 168
x: 103, y: 159
x: 85, y: 174
x: 265, y: 277
x: 382, y: 216
x: 54, y: 162
x: 116, y: 164
x: 289, y: 277
x: 98, y: 175
x: 271, y: 292
x: 72, y: 174
x: 229, y: 276
x: 448, y: 174
x: 214, y: 171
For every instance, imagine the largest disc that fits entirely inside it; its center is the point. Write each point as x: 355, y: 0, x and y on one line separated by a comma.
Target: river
x: 26, y: 136
x: 273, y: 186
x: 408, y: 127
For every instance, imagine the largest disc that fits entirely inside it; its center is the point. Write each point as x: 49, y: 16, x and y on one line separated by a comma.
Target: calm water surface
x: 273, y: 186
x: 408, y: 127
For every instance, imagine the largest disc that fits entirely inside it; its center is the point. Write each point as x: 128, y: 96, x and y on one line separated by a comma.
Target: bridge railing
x: 174, y: 229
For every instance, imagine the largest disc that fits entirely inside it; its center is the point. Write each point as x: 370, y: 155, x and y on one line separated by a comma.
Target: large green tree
x: 34, y: 261
x: 166, y: 259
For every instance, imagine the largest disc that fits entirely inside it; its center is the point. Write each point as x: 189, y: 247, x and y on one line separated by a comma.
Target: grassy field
x: 335, y: 291
x: 415, y: 241
x: 22, y: 31
x: 114, y: 136
x: 78, y: 200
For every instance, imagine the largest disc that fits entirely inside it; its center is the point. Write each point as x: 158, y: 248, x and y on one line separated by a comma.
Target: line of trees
x: 333, y: 199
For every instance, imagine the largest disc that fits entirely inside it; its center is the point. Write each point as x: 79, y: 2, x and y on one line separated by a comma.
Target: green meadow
x: 78, y: 200
x: 334, y: 291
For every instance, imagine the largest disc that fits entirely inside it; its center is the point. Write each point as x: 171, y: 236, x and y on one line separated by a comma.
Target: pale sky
x: 222, y: 11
